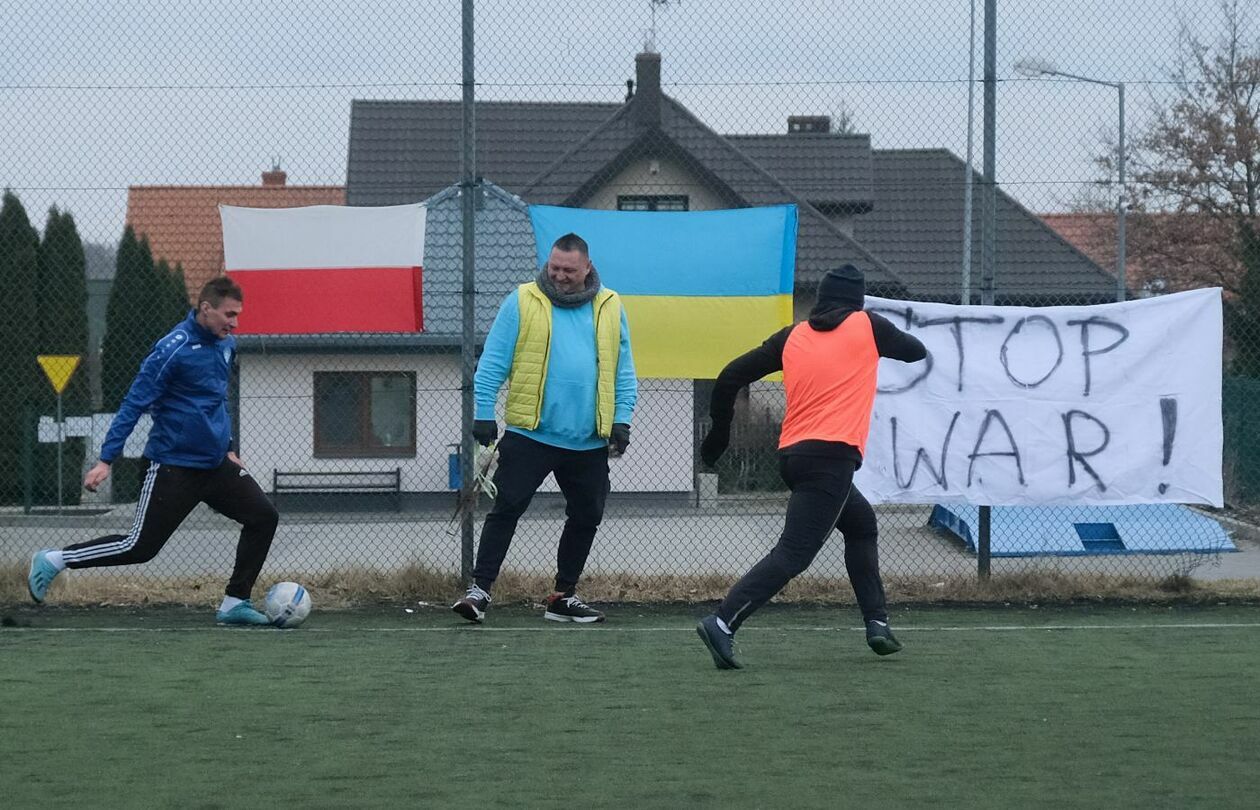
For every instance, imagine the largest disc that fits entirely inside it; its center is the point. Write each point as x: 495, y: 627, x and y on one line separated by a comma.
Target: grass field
x: 1070, y: 707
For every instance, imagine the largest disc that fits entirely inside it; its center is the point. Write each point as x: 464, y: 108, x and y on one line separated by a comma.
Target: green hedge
x: 1241, y: 413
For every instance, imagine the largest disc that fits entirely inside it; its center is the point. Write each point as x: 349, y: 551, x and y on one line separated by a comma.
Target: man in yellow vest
x: 562, y: 344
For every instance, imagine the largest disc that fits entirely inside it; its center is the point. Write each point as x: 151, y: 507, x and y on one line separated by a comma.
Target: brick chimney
x: 647, y: 92
x: 274, y: 178
x: 801, y: 124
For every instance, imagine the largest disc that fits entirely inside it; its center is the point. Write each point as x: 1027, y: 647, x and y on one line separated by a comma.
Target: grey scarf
x: 568, y: 300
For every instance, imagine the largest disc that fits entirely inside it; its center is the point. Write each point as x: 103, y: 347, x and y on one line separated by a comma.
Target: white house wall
x: 655, y: 176
x: 277, y: 423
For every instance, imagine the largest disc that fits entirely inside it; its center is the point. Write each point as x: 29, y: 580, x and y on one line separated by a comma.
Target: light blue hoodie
x: 568, y: 407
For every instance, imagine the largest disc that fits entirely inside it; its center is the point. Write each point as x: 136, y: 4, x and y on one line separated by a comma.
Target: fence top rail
x: 339, y: 473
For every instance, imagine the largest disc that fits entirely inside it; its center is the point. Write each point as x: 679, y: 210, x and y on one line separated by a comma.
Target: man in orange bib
x: 829, y: 365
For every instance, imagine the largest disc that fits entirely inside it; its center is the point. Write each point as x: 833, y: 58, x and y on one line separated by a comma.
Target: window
x: 365, y: 414
x: 653, y: 202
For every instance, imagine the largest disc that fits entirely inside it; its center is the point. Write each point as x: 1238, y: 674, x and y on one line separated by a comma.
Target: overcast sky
x: 96, y: 96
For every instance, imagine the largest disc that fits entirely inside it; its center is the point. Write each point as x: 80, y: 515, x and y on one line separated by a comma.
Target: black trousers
x: 167, y: 496
x: 823, y: 498
x: 523, y: 465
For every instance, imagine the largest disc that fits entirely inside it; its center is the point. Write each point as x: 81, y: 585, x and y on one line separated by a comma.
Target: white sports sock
x: 57, y: 559
x: 722, y: 625
x: 229, y: 602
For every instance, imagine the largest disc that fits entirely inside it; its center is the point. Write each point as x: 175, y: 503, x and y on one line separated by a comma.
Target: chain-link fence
x: 128, y: 124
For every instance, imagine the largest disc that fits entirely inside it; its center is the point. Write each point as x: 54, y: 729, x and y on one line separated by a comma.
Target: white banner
x: 1108, y: 404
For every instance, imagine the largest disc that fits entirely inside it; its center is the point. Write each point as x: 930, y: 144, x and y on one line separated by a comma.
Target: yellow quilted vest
x: 533, y: 344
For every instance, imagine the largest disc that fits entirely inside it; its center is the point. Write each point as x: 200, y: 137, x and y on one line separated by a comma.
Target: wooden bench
x: 379, y: 481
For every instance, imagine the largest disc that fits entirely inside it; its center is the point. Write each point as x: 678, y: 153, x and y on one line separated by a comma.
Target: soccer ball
x: 287, y: 604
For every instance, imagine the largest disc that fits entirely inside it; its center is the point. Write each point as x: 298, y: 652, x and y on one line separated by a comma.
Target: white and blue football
x: 287, y: 604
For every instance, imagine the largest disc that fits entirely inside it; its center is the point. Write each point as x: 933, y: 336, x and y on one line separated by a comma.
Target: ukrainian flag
x: 699, y: 287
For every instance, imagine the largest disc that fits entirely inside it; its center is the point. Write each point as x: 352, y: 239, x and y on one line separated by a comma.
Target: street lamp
x: 1037, y: 67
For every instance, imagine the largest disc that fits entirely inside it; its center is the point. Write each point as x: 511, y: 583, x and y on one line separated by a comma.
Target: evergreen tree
x: 19, y: 372
x: 135, y: 320
x: 61, y: 300
x: 181, y: 289
x: 131, y: 324
x: 172, y: 296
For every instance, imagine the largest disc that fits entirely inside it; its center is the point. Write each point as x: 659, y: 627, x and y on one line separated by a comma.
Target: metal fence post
x: 467, y: 350
x: 988, y: 226
x: 1121, y: 204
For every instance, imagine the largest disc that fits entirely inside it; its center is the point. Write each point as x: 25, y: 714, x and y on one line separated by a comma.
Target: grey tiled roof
x: 728, y: 171
x: 909, y: 241
x: 916, y: 226
x: 504, y: 255
x: 824, y: 168
x: 407, y: 151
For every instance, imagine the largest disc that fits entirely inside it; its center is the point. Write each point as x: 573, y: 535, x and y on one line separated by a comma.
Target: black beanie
x: 843, y: 286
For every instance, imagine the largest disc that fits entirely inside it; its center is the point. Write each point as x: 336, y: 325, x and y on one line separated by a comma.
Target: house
x: 182, y: 222
x: 897, y: 214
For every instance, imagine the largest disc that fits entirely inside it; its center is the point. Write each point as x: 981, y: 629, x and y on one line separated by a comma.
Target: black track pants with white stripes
x: 169, y: 493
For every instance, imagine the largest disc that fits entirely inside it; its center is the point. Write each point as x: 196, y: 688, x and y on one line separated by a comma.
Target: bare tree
x: 1195, y: 167
x: 843, y: 122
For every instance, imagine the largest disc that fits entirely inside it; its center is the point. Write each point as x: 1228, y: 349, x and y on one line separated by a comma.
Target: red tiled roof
x: 182, y: 222
x: 1091, y: 234
x: 1163, y: 251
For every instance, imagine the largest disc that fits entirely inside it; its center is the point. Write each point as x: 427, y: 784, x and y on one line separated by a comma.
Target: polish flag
x: 326, y: 268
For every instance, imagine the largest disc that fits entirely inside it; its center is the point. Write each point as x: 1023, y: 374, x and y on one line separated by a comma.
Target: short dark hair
x: 216, y: 289
x: 571, y: 242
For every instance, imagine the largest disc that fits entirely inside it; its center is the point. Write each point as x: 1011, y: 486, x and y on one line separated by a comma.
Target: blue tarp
x: 1032, y: 531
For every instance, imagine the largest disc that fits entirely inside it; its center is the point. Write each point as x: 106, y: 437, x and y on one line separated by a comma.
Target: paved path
x: 671, y: 540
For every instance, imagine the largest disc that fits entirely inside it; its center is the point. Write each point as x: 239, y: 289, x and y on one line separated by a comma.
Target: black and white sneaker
x: 473, y: 605
x: 880, y: 638
x: 561, y: 608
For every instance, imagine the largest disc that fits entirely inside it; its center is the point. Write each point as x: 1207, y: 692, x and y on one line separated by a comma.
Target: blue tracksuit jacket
x: 183, y: 384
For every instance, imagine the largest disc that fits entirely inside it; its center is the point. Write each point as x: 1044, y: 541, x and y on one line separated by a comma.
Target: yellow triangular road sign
x: 59, y: 368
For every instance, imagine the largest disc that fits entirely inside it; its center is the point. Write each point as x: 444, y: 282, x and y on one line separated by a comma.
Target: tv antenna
x: 649, y: 42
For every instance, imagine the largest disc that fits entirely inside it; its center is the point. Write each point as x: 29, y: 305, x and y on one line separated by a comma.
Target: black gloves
x: 620, y: 438
x: 485, y: 431
x: 714, y: 445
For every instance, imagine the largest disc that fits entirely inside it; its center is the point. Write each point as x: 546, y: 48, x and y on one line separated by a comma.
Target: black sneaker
x: 561, y: 608
x: 721, y: 644
x: 880, y: 638
x: 473, y: 606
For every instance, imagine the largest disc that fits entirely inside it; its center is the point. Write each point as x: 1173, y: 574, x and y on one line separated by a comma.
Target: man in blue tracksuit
x: 562, y: 344
x: 183, y: 384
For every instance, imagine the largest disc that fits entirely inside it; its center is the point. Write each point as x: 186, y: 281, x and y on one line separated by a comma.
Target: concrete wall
x: 277, y: 422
